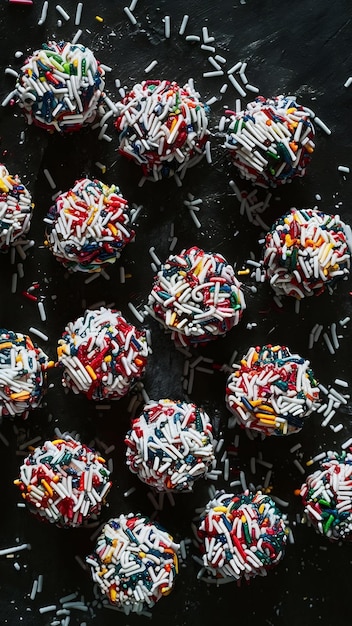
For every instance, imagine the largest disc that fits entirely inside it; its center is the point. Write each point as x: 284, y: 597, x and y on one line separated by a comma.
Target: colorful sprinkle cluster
x: 102, y: 355
x: 327, y: 496
x: 64, y: 482
x: 60, y: 87
x: 305, y: 252
x: 241, y: 536
x: 272, y: 391
x: 271, y: 141
x: 162, y: 127
x: 170, y: 445
x: 22, y: 374
x: 196, y: 296
x: 16, y: 209
x: 88, y: 226
x: 134, y: 562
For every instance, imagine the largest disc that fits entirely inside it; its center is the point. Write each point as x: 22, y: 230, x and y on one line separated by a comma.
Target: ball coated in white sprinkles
x: 272, y: 391
x: 64, y: 482
x: 88, y: 226
x: 162, y: 127
x: 196, y: 296
x: 102, y: 354
x: 60, y: 87
x: 23, y: 368
x: 242, y: 536
x: 16, y: 209
x: 305, y: 252
x: 134, y: 562
x: 327, y: 496
x: 170, y: 445
x: 271, y: 141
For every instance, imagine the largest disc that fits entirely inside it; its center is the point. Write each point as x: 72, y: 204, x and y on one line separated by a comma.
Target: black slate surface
x: 300, y: 48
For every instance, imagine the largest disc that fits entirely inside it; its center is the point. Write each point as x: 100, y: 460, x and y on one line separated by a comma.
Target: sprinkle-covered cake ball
x: 22, y: 374
x: 170, y: 445
x: 241, y: 536
x: 59, y: 88
x: 196, y: 296
x: 162, y: 127
x: 64, y: 482
x: 102, y: 355
x: 272, y: 391
x: 327, y: 496
x: 88, y: 226
x: 305, y: 252
x: 134, y: 562
x: 271, y: 141
x: 16, y: 209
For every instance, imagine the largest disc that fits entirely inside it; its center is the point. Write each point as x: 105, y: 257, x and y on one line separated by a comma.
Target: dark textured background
x: 298, y: 48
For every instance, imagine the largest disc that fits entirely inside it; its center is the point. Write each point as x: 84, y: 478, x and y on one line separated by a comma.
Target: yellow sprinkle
x: 173, y: 318
x: 220, y: 509
x: 310, y: 462
x: 108, y: 358
x: 243, y: 272
x: 142, y: 555
x: 99, y: 19
x: 91, y: 372
x: 47, y: 487
x: 261, y: 508
x: 243, y: 519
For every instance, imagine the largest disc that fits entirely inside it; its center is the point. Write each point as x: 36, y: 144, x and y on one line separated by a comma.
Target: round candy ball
x: 102, y: 355
x: 16, y: 209
x: 22, y: 374
x: 272, y: 391
x: 134, y: 562
x: 60, y: 87
x: 305, y: 252
x: 241, y: 536
x: 88, y: 226
x: 196, y: 296
x: 271, y: 141
x: 170, y: 445
x: 64, y: 482
x: 327, y: 496
x: 162, y: 127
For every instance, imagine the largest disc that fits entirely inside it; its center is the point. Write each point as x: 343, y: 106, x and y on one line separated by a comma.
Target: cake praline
x: 271, y: 141
x: 162, y: 127
x: 272, y: 390
x: 64, y: 482
x: 196, y: 296
x: 60, y: 87
x: 134, y: 562
x: 170, y: 445
x: 102, y: 355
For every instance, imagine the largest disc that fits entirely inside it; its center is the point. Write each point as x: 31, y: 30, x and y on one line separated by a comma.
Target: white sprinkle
x: 207, y: 48
x: 323, y: 126
x: 299, y: 466
x: 122, y: 275
x: 343, y: 168
x: 129, y: 492
x: 78, y: 13
x: 22, y: 546
x: 252, y: 88
x: 14, y: 283
x: 41, y: 310
x: 183, y: 24
x: 346, y: 444
x: 40, y: 583
x: 192, y: 38
x: 150, y: 66
x: 211, y: 101
x: 39, y: 334
x: 344, y: 321
x: 34, y: 589
x: 62, y: 12
x: 336, y: 428
x: 340, y: 382
x: 136, y: 313
x: 130, y: 16
x: 77, y: 36
x: 328, y: 343
x: 167, y: 26
x: 235, y: 67
x: 43, y: 13
x: 9, y: 97
x: 10, y: 72
x: 243, y: 481
x: 49, y: 178
x: 296, y: 447
x: 48, y: 608
x: 195, y: 218
x: 348, y: 81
